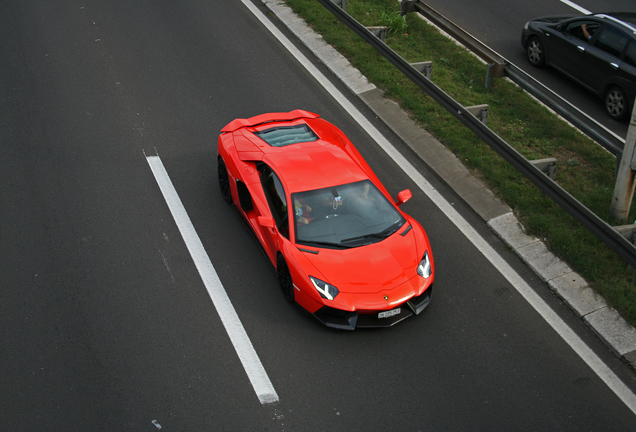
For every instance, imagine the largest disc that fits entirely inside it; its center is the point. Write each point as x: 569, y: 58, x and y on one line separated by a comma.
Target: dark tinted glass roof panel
x: 287, y: 135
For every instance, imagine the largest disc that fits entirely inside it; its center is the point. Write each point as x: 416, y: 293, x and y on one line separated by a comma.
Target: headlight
x: 326, y: 291
x: 525, y: 26
x: 424, y: 269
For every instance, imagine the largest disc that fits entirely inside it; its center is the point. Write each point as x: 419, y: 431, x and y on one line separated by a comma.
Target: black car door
x: 602, y: 60
x: 626, y: 75
x: 567, y: 46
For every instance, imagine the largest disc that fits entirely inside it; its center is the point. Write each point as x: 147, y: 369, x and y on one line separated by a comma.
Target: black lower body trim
x: 345, y: 320
x: 419, y: 303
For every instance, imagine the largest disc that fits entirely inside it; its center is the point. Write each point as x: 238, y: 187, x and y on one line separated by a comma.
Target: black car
x: 598, y: 51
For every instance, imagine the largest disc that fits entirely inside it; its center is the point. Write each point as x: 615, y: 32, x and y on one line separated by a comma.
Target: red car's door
x: 276, y: 223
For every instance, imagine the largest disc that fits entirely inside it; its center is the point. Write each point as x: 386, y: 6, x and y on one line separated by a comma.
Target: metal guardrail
x: 493, y: 59
x: 566, y: 110
x: 601, y: 229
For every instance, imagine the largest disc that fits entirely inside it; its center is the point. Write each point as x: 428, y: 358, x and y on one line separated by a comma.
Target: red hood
x: 371, y: 268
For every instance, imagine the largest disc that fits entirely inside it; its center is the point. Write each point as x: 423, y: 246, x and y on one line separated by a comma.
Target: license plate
x: 390, y: 313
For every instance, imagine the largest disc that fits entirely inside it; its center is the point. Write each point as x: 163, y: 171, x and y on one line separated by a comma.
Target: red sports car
x: 341, y: 247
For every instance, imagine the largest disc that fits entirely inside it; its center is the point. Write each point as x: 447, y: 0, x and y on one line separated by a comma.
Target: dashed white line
x: 577, y: 7
x: 241, y: 342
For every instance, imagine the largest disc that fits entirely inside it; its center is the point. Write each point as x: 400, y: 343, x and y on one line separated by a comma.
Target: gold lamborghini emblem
x: 386, y: 297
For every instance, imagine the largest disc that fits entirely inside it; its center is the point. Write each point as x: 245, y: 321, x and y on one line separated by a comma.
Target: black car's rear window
x: 287, y: 135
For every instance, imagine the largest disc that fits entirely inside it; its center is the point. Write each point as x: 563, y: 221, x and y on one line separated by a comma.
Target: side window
x: 244, y: 196
x: 583, y: 30
x: 630, y: 54
x: 275, y: 198
x: 612, y: 41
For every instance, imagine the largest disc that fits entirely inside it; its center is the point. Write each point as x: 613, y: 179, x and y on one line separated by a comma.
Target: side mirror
x: 266, y: 222
x: 404, y: 196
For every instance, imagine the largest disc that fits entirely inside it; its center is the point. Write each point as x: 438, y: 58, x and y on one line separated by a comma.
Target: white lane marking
x: 242, y: 344
x: 577, y: 7
x: 592, y: 360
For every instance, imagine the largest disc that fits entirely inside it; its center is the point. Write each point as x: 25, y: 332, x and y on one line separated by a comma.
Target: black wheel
x: 285, y: 279
x: 536, y: 52
x: 224, y: 181
x: 616, y: 104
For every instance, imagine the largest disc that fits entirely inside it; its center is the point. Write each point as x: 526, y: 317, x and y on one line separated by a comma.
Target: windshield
x: 344, y: 216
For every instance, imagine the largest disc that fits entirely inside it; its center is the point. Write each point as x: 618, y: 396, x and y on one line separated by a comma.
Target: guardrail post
x: 489, y: 75
x: 547, y: 166
x: 627, y: 231
x: 479, y: 111
x: 341, y: 3
x: 425, y: 68
x: 407, y: 6
x: 626, y: 176
x: 378, y: 31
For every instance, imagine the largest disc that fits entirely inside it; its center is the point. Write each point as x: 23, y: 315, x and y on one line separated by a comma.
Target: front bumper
x: 345, y: 320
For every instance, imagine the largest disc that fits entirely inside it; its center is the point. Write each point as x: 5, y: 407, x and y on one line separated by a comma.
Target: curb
x: 605, y: 322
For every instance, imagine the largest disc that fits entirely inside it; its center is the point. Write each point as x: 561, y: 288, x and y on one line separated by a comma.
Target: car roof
x: 329, y: 160
x: 626, y: 19
x: 321, y: 164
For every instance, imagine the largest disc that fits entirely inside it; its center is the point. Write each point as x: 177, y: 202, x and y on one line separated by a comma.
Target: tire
x: 285, y: 279
x: 224, y: 181
x: 536, y: 52
x: 616, y: 104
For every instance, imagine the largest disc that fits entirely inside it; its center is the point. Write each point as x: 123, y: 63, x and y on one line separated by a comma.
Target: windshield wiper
x: 377, y: 235
x: 382, y: 234
x: 324, y: 243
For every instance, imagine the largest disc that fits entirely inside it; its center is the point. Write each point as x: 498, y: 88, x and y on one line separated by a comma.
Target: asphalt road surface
x: 105, y: 322
x: 498, y: 24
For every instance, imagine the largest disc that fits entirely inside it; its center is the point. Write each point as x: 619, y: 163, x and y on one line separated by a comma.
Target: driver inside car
x: 302, y: 211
